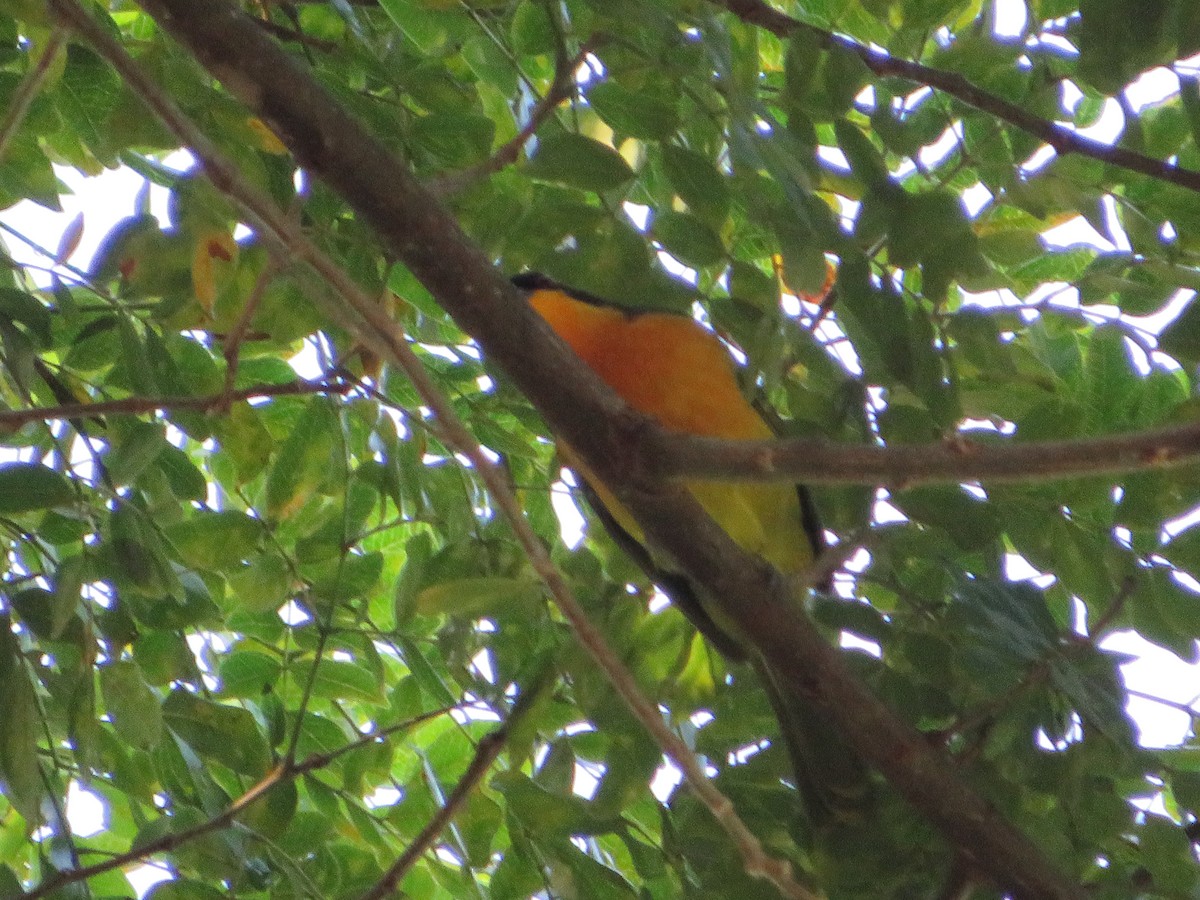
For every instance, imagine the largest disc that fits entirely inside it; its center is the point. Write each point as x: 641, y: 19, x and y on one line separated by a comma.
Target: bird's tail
x: 832, y: 780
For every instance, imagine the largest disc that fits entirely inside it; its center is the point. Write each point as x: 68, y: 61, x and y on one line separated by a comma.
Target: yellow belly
x: 671, y: 368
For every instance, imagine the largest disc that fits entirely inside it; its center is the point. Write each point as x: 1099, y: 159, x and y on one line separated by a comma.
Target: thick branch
x: 905, y: 465
x: 364, y: 318
x: 424, y: 235
x: 1062, y: 139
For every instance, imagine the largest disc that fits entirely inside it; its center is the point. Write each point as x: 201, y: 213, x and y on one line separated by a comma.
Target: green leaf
x: 132, y: 705
x: 135, y: 451
x: 1109, y: 380
x: 970, y: 522
x: 304, y: 462
x: 1183, y: 550
x: 262, y: 586
x: 1166, y: 852
x: 1011, y: 615
x: 218, y: 541
x: 163, y: 657
x: 1156, y: 607
x: 638, y: 114
x: 345, y: 577
x: 578, y: 161
x: 698, y: 183
x: 478, y: 823
x: 10, y: 885
x: 1181, y: 339
x: 225, y: 734
x: 417, y: 553
x: 25, y: 487
x: 865, y: 160
x: 1177, y: 604
x: 245, y: 673
x: 1187, y: 28
x: 270, y: 814
x: 246, y: 441
x: 688, y: 239
x: 36, y: 610
x: 927, y: 223
x: 183, y: 889
x: 477, y: 596
x: 1012, y: 247
x: 137, y: 553
x: 531, y: 30
x: 489, y: 63
x: 1092, y: 682
x: 27, y: 172
x: 541, y: 811
x: 340, y: 680
x: 19, y: 766
x: 87, y: 92
x: 454, y: 140
x: 1189, y: 95
x: 1110, y: 51
x: 18, y: 306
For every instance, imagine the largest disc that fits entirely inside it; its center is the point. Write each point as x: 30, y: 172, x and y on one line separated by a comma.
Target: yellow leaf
x: 268, y: 142
x: 213, y: 255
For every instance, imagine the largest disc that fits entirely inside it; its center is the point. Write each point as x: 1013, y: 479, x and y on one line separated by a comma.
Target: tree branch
x: 590, y: 417
x: 416, y: 229
x: 488, y: 749
x: 958, y: 458
x: 1062, y: 139
x: 16, y: 418
x: 486, y: 752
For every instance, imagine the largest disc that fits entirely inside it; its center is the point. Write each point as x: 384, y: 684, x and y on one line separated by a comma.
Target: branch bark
x: 956, y: 459
x: 591, y: 418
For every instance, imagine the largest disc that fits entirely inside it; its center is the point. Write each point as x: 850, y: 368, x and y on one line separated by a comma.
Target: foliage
x: 259, y: 549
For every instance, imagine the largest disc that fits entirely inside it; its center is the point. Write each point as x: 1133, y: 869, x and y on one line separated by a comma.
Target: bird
x: 673, y: 369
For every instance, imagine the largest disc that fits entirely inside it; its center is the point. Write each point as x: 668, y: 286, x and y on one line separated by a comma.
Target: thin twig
x: 486, y: 751
x: 295, y: 35
x: 233, y: 340
x: 15, y: 418
x: 1097, y: 630
x: 18, y: 107
x: 832, y: 559
x: 561, y: 88
x: 1188, y: 708
x: 1062, y: 139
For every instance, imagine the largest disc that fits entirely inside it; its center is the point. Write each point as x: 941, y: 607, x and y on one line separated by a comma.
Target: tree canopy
x: 285, y: 585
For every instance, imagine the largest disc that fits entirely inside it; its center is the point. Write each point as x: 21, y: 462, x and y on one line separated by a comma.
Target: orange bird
x: 673, y: 369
